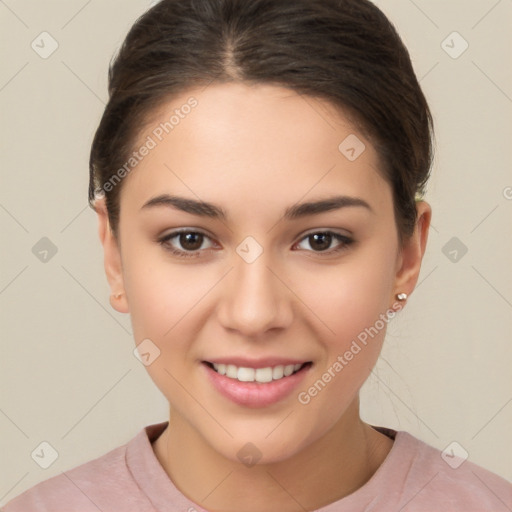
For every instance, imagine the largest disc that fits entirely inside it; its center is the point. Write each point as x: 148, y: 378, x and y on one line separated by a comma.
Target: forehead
x: 241, y: 143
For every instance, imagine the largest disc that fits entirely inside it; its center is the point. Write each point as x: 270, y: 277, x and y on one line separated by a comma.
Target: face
x: 292, y: 261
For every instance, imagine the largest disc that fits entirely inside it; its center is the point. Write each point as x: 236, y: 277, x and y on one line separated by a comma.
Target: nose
x: 255, y: 298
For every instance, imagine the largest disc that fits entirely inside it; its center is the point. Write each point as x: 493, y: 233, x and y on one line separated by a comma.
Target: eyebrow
x: 212, y: 211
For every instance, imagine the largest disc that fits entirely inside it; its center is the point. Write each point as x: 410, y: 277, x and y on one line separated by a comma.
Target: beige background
x: 68, y: 375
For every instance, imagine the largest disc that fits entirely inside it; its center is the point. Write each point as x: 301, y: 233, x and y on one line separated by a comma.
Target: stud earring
x: 117, y: 295
x: 401, y: 296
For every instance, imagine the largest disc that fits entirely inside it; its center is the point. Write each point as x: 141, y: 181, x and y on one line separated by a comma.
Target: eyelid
x: 333, y: 231
x: 172, y: 233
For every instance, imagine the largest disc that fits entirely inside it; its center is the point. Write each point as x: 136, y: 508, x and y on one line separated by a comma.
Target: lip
x: 256, y: 363
x: 255, y: 394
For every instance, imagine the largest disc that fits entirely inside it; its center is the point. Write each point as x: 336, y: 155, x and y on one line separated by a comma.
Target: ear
x: 411, y: 254
x: 111, y: 258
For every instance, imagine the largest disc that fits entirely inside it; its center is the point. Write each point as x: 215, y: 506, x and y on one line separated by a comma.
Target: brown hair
x: 344, y: 51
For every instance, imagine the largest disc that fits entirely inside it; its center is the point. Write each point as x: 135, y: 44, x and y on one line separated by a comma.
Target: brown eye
x: 186, y: 243
x: 191, y: 241
x: 321, y: 242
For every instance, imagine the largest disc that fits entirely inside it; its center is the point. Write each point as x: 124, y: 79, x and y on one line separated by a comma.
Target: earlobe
x: 112, y: 258
x: 412, y: 252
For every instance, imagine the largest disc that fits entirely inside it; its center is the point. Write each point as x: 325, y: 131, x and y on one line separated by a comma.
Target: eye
x: 191, y: 243
x: 321, y: 242
x: 188, y: 243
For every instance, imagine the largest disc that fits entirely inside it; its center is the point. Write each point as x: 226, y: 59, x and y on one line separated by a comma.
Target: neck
x: 330, y: 468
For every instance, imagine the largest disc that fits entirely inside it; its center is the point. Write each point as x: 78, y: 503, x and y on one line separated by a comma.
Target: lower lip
x: 255, y: 394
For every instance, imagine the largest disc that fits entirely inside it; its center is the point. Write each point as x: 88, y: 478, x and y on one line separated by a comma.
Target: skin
x: 254, y: 151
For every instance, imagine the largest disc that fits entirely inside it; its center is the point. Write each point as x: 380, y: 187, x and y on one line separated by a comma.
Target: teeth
x: 246, y: 374
x: 256, y: 375
x: 278, y: 372
x: 263, y: 375
x: 288, y: 369
x: 231, y: 371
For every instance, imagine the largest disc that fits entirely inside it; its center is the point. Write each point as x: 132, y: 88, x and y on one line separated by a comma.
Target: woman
x: 257, y: 175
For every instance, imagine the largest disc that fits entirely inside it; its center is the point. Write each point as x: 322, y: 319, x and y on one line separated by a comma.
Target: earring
x: 117, y: 295
x: 401, y: 296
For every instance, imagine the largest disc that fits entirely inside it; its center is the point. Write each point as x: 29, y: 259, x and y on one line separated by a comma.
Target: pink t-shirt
x: 413, y: 477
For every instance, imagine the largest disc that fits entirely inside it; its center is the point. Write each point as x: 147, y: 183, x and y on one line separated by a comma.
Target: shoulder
x: 447, y: 480
x: 104, y: 483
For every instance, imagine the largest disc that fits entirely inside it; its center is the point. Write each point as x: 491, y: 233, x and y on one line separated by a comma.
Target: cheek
x: 161, y: 296
x: 350, y: 297
x: 169, y: 304
x: 350, y: 304
x: 147, y: 289
x: 162, y: 301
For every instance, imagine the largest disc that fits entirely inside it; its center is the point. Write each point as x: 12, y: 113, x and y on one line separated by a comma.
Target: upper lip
x: 256, y: 363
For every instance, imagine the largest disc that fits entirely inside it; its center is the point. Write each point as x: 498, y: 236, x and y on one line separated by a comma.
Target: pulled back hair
x: 344, y: 51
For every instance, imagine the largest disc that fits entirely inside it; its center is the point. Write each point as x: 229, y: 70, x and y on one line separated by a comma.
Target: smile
x: 256, y: 383
x: 262, y: 375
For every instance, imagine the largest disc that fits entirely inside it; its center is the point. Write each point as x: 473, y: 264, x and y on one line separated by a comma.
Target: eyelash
x: 164, y: 242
